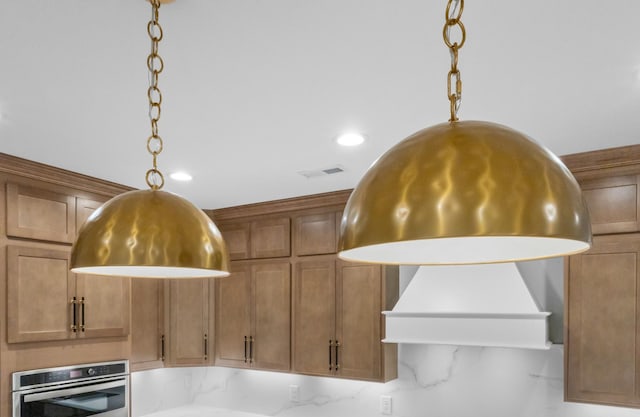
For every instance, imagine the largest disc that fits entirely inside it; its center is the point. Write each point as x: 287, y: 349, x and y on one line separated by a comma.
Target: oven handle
x: 71, y: 391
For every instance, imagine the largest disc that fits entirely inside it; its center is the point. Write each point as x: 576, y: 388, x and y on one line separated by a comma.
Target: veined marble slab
x: 201, y: 411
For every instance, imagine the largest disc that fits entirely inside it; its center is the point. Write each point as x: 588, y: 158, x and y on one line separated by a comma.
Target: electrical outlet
x: 294, y: 393
x: 385, y: 404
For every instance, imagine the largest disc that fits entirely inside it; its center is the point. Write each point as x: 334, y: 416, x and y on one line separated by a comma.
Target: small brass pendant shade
x: 465, y: 192
x: 150, y: 233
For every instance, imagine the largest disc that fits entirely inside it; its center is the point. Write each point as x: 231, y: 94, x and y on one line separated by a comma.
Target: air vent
x: 336, y: 169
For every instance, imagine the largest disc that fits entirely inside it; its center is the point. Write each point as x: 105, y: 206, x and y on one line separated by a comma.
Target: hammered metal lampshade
x: 150, y: 233
x: 465, y: 192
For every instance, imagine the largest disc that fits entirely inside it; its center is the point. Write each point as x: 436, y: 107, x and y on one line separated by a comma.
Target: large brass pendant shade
x: 465, y: 192
x: 150, y: 233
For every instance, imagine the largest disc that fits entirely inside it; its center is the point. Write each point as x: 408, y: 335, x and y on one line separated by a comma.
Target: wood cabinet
x: 316, y: 234
x: 603, y: 335
x: 36, y: 213
x: 602, y: 285
x: 614, y: 203
x: 256, y: 239
x: 253, y: 316
x: 189, y: 330
x: 147, y: 324
x: 45, y: 301
x: 337, y: 320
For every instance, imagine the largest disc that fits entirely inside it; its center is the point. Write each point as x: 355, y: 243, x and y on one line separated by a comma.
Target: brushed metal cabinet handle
x: 74, y: 315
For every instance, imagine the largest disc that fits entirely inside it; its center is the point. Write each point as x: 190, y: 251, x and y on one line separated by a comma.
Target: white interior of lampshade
x: 151, y: 271
x: 465, y: 250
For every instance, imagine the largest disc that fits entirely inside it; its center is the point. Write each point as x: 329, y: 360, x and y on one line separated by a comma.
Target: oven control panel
x: 68, y: 374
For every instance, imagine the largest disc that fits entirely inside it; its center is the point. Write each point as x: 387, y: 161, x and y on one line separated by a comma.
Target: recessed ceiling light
x: 180, y: 176
x: 350, y: 139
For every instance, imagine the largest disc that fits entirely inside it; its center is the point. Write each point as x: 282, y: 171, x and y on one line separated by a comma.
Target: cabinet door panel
x: 603, y: 322
x: 237, y: 237
x: 271, y: 295
x: 233, y: 317
x: 313, y: 316
x: 105, y: 304
x: 84, y: 209
x: 40, y: 214
x: 614, y: 204
x: 315, y: 234
x: 358, y: 320
x: 39, y: 290
x: 189, y: 310
x: 270, y: 238
x: 147, y: 318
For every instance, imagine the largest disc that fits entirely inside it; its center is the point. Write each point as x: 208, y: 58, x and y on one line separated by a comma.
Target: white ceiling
x: 256, y: 90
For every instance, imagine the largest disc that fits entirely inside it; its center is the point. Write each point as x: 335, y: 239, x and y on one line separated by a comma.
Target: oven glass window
x: 63, y: 404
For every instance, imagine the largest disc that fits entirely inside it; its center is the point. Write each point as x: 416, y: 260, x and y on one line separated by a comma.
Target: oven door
x: 105, y: 398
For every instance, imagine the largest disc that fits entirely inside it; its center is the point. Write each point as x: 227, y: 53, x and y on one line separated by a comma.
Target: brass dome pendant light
x: 464, y: 192
x: 151, y: 233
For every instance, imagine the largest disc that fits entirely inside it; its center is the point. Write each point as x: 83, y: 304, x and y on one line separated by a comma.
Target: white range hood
x: 477, y: 305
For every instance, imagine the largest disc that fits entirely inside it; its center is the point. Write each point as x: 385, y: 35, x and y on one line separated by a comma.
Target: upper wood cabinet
x: 253, y: 316
x: 84, y: 209
x: 41, y: 214
x: 614, y: 203
x: 147, y: 323
x: 602, y: 346
x: 45, y: 301
x: 316, y: 234
x: 190, y: 338
x: 337, y: 320
x: 262, y: 238
x: 237, y: 237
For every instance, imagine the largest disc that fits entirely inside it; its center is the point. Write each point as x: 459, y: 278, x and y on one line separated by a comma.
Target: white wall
x: 434, y: 381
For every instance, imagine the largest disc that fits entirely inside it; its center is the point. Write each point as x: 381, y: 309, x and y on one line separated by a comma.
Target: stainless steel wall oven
x: 98, y: 389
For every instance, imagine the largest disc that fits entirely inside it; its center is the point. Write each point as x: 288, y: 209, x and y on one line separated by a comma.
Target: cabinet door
x: 189, y: 321
x: 40, y: 214
x: 237, y: 237
x: 147, y: 321
x: 315, y: 234
x: 84, y: 209
x: 104, y: 305
x: 39, y: 290
x: 313, y: 316
x: 233, y: 317
x: 614, y: 204
x: 270, y: 238
x: 602, y: 344
x: 358, y: 320
x: 271, y: 318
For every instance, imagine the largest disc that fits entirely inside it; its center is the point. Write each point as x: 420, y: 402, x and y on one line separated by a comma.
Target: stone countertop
x: 201, y: 411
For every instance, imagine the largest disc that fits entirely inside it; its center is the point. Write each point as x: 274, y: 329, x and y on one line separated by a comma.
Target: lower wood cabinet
x: 253, y: 316
x: 148, y: 342
x: 337, y: 320
x: 602, y: 344
x: 45, y: 301
x: 190, y: 337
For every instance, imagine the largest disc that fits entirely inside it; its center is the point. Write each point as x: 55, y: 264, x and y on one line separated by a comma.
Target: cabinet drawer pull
x: 82, y: 314
x: 74, y: 315
x: 245, y: 349
x: 162, y: 348
x: 206, y: 347
x: 250, y: 349
x: 330, y: 362
x: 337, y: 345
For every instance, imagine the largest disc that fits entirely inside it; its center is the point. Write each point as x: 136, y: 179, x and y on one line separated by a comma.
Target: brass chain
x: 155, y: 64
x: 453, y: 15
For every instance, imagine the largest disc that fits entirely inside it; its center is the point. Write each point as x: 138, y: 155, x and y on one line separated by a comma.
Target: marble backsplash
x: 434, y: 381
